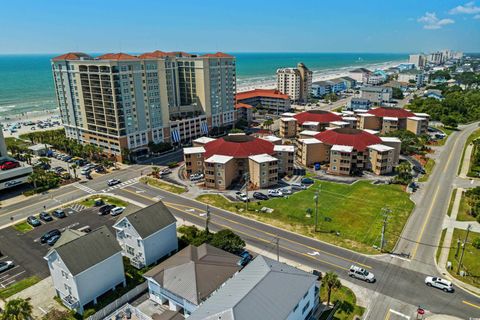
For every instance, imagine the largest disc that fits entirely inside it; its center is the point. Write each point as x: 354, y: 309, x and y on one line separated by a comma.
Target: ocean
x: 26, y: 82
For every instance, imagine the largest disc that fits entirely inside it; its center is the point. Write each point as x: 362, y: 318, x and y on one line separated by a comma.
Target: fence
x: 135, y: 292
x: 334, y: 309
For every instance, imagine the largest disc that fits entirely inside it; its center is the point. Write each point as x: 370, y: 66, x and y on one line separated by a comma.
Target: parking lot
x: 26, y: 250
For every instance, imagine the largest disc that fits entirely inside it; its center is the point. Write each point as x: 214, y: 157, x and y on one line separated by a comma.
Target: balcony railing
x: 71, y: 302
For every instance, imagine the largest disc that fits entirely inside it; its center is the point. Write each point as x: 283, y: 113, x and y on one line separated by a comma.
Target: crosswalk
x: 122, y: 185
x: 84, y: 188
x: 78, y: 207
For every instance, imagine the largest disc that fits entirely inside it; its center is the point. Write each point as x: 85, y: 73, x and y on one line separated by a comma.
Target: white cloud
x: 467, y: 8
x: 477, y: 16
x: 431, y: 21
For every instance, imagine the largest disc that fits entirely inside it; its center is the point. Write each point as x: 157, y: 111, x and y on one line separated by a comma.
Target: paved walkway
x: 466, y: 161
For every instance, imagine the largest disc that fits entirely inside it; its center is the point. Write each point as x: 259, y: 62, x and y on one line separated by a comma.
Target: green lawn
x: 471, y: 261
x: 348, y: 308
x: 163, y: 185
x: 473, y: 136
x: 452, y: 199
x: 23, y: 227
x: 428, y: 169
x: 90, y: 202
x: 18, y: 286
x: 463, y: 210
x: 354, y: 211
x: 440, y: 245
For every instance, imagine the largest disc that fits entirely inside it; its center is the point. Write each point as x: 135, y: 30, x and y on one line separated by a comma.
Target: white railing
x: 103, y: 313
x: 126, y: 312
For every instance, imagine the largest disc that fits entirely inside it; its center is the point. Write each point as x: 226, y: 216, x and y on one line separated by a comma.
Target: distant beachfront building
x: 337, y: 85
x: 121, y: 101
x: 295, y: 82
x: 413, y: 75
x: 359, y: 104
x: 378, y: 95
x: 419, y: 60
x: 273, y: 101
x: 377, y: 77
x: 360, y: 75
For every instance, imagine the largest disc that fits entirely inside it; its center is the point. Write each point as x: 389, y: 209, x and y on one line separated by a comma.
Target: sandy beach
x: 34, y: 116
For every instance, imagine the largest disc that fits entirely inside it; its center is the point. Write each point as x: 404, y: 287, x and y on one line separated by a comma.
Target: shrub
x: 476, y: 243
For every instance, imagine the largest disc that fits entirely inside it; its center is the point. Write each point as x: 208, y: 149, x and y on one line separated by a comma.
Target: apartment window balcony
x: 71, y: 302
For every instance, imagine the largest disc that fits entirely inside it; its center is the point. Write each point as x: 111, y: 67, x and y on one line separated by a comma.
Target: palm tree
x: 28, y: 158
x: 17, y: 309
x: 44, y: 160
x: 267, y: 123
x: 156, y: 171
x: 331, y: 282
x: 74, y: 168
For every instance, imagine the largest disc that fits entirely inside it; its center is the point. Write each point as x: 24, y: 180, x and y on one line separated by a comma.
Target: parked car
x: 105, y: 209
x: 196, y: 176
x: 116, y: 211
x: 9, y: 165
x: 318, y: 274
x: 85, y: 172
x: 245, y: 258
x: 33, y: 221
x: 275, y: 193
x: 59, y: 213
x: 307, y: 181
x: 360, y: 273
x: 241, y: 196
x: 419, y: 169
x: 99, y: 169
x: 298, y: 186
x: 165, y: 171
x: 286, y: 191
x: 5, y: 265
x: 260, y: 196
x: 113, y: 182
x: 45, y: 216
x: 49, y: 234
x: 439, y: 283
x: 53, y: 240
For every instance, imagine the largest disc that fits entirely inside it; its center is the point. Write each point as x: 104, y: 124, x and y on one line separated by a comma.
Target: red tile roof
x: 117, y: 56
x: 358, y: 139
x: 269, y: 93
x: 71, y: 56
x: 238, y: 146
x: 317, y: 116
x: 243, y: 105
x: 391, y: 112
x: 217, y: 55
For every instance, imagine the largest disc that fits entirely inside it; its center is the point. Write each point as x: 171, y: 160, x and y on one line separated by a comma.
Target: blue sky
x: 35, y: 26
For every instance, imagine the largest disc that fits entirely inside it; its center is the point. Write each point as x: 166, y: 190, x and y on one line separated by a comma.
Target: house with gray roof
x: 189, y: 277
x: 83, y: 266
x: 147, y: 235
x: 265, y: 289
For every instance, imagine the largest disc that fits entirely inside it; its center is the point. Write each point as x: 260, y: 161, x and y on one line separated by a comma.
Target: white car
x: 360, y: 273
x: 275, y: 193
x: 117, y: 210
x: 5, y: 265
x: 241, y: 196
x: 113, y: 182
x: 298, y: 186
x: 286, y: 191
x: 196, y: 176
x: 439, y: 283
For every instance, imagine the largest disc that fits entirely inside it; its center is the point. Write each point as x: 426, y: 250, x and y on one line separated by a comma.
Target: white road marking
x: 400, y: 314
x: 314, y: 253
x: 401, y: 258
x: 4, y: 257
x: 14, y: 276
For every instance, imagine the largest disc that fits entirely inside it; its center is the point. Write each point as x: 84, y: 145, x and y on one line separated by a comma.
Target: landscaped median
x: 348, y: 308
x: 475, y: 135
x: 157, y: 183
x: 18, y: 286
x: 470, y: 262
x: 428, y: 166
x: 90, y: 201
x: 349, y: 215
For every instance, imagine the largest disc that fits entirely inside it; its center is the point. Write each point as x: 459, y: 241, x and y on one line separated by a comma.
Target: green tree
x: 331, y: 97
x: 476, y: 243
x: 55, y: 314
x: 331, y: 282
x: 17, y: 309
x: 227, y: 240
x: 74, y: 169
x: 236, y: 130
x: 156, y: 171
x: 194, y: 236
x: 397, y: 93
x: 268, y: 123
x: 44, y: 160
x: 449, y: 121
x: 404, y: 170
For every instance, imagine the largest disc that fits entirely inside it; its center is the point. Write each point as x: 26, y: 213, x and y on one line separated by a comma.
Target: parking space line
x: 8, y: 274
x: 14, y: 276
x: 399, y: 314
x: 4, y: 257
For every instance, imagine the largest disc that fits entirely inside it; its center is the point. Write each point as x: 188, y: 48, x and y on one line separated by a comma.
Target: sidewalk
x: 466, y: 162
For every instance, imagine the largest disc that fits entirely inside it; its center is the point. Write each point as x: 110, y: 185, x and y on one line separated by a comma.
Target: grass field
x: 90, y: 202
x: 348, y: 308
x: 163, y: 185
x: 18, y: 286
x: 463, y: 210
x: 471, y: 262
x: 452, y: 199
x: 428, y: 169
x: 473, y: 136
x: 349, y: 215
x: 23, y: 227
x: 440, y: 245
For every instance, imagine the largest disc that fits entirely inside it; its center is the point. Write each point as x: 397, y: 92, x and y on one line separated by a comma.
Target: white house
x: 265, y: 289
x: 147, y: 235
x: 189, y: 277
x: 84, y: 266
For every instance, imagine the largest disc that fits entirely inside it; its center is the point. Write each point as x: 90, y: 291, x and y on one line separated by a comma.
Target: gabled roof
x: 217, y: 55
x: 195, y: 272
x: 265, y: 289
x: 117, y: 56
x: 72, y: 56
x: 149, y: 220
x: 268, y: 93
x: 361, y: 70
x: 85, y: 251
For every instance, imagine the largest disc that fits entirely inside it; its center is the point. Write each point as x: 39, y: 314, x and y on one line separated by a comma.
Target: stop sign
x: 420, y: 311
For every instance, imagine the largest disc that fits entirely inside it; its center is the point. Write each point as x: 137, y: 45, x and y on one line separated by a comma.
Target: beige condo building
x: 295, y: 82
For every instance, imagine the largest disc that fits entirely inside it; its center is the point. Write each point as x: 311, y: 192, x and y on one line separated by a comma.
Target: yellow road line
x: 253, y: 228
x: 387, y: 316
x: 471, y: 304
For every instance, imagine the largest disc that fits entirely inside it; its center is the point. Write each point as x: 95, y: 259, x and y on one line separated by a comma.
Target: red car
x: 9, y: 165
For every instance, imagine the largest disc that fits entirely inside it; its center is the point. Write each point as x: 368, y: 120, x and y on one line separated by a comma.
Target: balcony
x: 137, y: 263
x: 71, y: 302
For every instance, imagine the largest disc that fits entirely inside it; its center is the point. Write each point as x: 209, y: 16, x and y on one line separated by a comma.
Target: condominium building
x: 419, y: 60
x: 121, y: 101
x: 272, y: 101
x: 412, y: 76
x: 314, y: 120
x: 377, y: 95
x: 386, y: 120
x: 295, y: 82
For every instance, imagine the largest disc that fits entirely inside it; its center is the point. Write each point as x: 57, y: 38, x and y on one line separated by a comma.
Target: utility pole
x: 317, y: 194
x: 463, y: 249
x: 277, y: 240
x: 207, y: 220
x: 247, y: 179
x: 385, y: 212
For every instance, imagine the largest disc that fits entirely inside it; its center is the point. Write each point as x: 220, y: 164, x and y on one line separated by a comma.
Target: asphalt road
x: 400, y: 281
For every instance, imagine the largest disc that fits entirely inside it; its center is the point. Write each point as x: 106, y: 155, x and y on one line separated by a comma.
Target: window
x: 64, y: 274
x: 305, y: 308
x: 130, y: 250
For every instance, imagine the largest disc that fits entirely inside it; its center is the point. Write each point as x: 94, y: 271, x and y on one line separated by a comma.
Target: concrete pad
x: 442, y: 317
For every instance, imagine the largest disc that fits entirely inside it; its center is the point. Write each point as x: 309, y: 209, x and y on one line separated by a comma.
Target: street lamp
x: 317, y: 194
